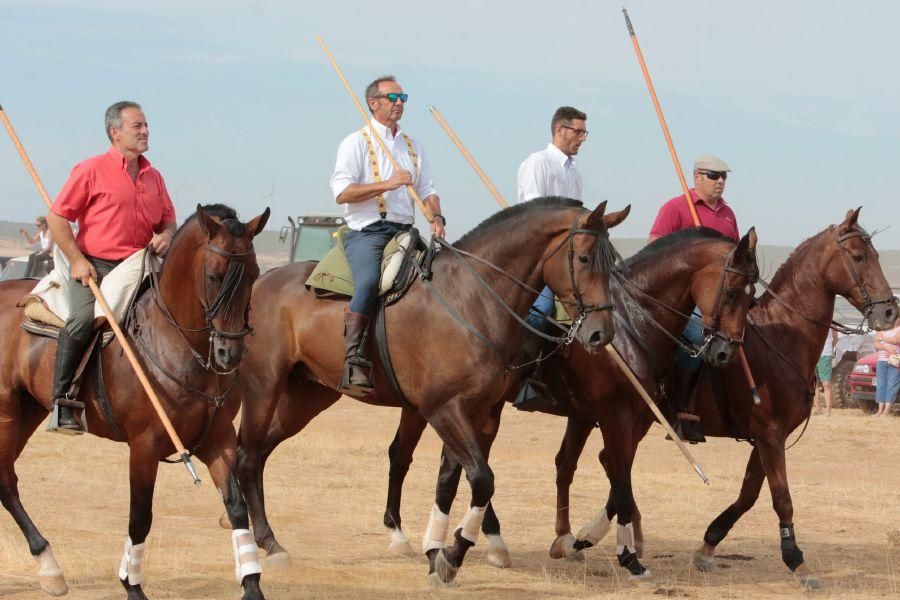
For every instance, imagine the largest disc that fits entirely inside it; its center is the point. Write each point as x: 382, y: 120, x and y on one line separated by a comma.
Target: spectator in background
x: 43, y: 236
x: 823, y: 374
x: 887, y: 373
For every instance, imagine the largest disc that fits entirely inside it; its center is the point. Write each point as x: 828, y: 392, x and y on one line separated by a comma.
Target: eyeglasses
x: 393, y: 97
x: 579, y: 132
x: 715, y: 175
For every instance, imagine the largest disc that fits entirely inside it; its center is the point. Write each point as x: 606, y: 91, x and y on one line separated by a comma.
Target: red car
x: 860, y: 385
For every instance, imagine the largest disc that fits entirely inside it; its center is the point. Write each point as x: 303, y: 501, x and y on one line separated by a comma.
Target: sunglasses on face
x: 715, y: 175
x: 393, y: 97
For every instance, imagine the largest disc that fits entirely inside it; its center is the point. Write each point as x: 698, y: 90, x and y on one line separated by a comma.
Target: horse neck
x: 177, y: 281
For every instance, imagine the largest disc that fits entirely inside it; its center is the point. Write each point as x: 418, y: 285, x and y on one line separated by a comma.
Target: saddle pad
x: 333, y: 273
x: 117, y: 287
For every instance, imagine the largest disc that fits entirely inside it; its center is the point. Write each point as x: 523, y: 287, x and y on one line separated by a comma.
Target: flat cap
x: 710, y: 162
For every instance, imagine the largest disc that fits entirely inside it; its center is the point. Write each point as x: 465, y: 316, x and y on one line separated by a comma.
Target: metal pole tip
x: 702, y: 475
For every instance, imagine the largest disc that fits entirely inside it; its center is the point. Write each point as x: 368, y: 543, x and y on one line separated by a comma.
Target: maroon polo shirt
x: 675, y: 215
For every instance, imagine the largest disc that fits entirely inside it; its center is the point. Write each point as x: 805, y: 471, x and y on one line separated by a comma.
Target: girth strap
x: 384, y: 357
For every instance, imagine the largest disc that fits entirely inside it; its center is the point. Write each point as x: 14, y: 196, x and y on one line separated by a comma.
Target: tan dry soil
x: 326, y: 491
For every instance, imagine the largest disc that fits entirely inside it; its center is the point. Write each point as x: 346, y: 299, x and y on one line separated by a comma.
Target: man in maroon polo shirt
x: 710, y: 173
x: 121, y: 205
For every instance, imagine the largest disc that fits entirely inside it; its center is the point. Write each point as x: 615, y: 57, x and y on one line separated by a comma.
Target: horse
x: 786, y: 333
x: 653, y: 294
x: 188, y: 332
x: 452, y: 337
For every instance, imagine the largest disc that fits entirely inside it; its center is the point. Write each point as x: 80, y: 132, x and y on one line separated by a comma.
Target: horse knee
x: 482, y: 482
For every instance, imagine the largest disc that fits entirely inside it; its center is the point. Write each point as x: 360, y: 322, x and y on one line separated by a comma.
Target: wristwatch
x: 441, y: 217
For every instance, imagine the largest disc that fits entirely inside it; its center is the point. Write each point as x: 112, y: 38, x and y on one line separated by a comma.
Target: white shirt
x: 352, y: 166
x: 46, y: 240
x: 550, y: 172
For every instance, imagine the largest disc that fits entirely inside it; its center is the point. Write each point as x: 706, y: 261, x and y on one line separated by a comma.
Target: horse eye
x: 858, y: 258
x: 730, y: 294
x: 583, y: 259
x: 213, y: 278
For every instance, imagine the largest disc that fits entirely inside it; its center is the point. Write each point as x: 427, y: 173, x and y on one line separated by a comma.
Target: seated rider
x: 710, y: 173
x: 377, y: 206
x: 549, y: 172
x: 45, y: 254
x: 121, y: 205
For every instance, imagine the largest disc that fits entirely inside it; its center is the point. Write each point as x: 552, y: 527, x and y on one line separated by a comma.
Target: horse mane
x: 226, y: 214
x: 508, y: 214
x: 673, y: 239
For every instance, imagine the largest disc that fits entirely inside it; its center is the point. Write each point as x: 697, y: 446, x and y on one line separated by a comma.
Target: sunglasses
x: 715, y: 175
x: 579, y: 132
x: 393, y: 97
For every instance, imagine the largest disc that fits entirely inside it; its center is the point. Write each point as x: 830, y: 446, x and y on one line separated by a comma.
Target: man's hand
x: 161, y: 241
x: 437, y: 227
x: 82, y: 270
x: 399, y: 178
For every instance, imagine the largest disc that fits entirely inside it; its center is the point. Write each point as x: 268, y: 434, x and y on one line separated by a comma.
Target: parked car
x: 14, y: 268
x: 860, y: 384
x: 850, y: 348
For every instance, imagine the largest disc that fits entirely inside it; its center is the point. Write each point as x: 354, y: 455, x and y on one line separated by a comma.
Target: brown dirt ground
x: 326, y: 490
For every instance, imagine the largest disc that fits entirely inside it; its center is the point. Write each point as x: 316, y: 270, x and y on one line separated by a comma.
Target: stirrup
x: 688, y: 429
x: 54, y: 426
x: 534, y: 396
x: 355, y: 389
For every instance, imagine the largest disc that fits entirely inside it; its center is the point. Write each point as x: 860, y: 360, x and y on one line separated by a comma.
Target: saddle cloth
x: 48, y: 301
x: 333, y: 273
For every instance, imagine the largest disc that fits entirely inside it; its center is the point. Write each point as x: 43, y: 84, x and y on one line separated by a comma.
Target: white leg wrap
x: 130, y: 567
x: 246, y: 560
x: 436, y: 532
x: 596, y: 530
x: 471, y: 523
x: 624, y: 538
x: 47, y: 565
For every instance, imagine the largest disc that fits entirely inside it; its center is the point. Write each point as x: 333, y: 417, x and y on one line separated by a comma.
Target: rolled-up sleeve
x: 74, y: 196
x: 425, y: 185
x: 349, y: 165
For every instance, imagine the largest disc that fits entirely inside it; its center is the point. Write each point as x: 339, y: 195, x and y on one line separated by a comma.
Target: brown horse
x: 450, y: 338
x: 787, y: 330
x: 664, y: 283
x: 188, y: 331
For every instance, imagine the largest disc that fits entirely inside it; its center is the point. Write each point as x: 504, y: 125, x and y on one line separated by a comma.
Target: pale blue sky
x: 800, y: 98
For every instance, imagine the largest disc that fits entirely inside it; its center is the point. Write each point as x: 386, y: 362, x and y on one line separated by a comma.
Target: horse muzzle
x: 883, y: 315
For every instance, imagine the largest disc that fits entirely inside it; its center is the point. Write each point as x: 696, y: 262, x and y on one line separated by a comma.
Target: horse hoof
x: 443, y: 570
x: 401, y: 548
x: 224, y: 522
x: 703, y: 562
x: 279, y: 561
x: 563, y: 546
x: 497, y: 552
x: 435, y: 581
x: 645, y: 577
x: 808, y: 582
x: 55, y: 585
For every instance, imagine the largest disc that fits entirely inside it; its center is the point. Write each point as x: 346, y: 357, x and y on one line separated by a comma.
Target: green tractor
x: 311, y: 237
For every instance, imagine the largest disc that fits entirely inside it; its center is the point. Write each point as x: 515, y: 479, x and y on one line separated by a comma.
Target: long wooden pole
x: 617, y: 358
x: 167, y: 424
x: 687, y: 193
x: 467, y: 155
x: 410, y: 188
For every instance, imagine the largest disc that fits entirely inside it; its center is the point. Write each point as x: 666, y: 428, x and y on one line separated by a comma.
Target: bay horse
x: 451, y: 340
x: 786, y: 333
x: 188, y: 332
x: 654, y: 295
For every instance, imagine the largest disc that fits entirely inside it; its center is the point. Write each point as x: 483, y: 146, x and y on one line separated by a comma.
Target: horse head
x: 579, y: 275
x: 723, y: 292
x: 224, y: 274
x: 851, y: 269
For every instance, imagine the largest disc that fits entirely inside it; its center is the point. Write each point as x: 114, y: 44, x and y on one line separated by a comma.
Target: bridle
x: 715, y: 332
x: 869, y: 307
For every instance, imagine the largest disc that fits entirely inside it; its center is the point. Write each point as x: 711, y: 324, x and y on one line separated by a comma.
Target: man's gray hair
x: 372, y: 89
x: 114, y: 115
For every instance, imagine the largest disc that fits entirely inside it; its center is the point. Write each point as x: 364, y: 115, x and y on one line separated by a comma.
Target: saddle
x: 332, y: 277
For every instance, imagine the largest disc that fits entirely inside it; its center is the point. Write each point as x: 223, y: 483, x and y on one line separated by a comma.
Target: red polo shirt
x: 116, y: 215
x: 675, y: 215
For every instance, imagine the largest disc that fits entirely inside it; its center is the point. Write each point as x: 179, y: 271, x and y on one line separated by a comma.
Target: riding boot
x: 355, y: 380
x: 534, y: 396
x: 687, y: 424
x: 68, y: 356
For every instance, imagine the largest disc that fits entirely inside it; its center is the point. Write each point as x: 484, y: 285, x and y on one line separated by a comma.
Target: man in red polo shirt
x: 710, y: 173
x: 121, y: 205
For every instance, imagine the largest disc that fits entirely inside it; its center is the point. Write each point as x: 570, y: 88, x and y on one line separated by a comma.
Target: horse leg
x: 721, y: 525
x: 259, y: 436
x: 400, y: 455
x: 576, y: 436
x: 498, y: 552
x: 461, y: 442
x: 143, y: 467
x: 18, y: 420
x: 218, y: 454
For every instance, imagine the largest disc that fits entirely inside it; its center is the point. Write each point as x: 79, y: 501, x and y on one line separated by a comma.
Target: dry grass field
x: 326, y: 490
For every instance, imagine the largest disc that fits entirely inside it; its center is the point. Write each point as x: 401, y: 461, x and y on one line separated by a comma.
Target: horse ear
x: 748, y: 242
x: 256, y: 225
x: 850, y: 220
x: 613, y: 219
x: 595, y: 219
x: 209, y: 225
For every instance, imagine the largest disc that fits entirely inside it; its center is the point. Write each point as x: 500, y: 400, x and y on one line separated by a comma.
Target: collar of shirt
x: 119, y: 158
x: 564, y: 160
x: 385, y: 131
x: 698, y: 200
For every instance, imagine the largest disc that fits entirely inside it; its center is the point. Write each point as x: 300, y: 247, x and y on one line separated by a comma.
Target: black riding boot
x: 68, y: 356
x: 687, y: 424
x: 355, y: 380
x: 534, y: 395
